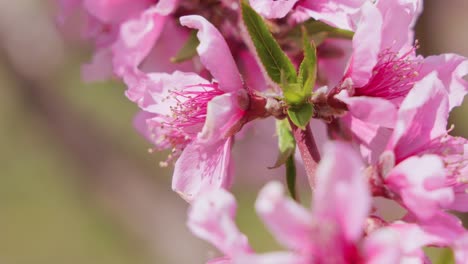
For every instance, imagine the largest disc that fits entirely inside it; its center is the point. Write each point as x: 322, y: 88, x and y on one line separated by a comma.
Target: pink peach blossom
x: 103, y: 20
x: 383, y: 66
x: 421, y: 129
x: 194, y: 116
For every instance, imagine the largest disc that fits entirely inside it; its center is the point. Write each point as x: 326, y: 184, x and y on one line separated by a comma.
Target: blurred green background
x: 77, y: 184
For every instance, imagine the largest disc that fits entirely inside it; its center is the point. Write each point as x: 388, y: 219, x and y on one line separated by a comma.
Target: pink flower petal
x: 372, y: 110
x: 366, y: 45
x: 451, y: 69
x: 381, y: 247
x: 140, y: 124
x: 421, y: 183
x: 136, y: 38
x: 461, y: 197
x: 223, y: 116
x: 170, y: 42
x: 115, y: 11
x: 212, y: 218
x: 442, y: 230
x: 137, y: 83
x: 398, y: 243
x: 202, y: 167
x: 372, y: 138
x: 399, y: 17
x: 214, y: 53
x: 290, y: 223
x: 333, y: 12
x: 460, y: 250
x: 273, y: 8
x: 339, y: 177
x: 422, y: 117
x: 165, y: 7
x: 157, y: 95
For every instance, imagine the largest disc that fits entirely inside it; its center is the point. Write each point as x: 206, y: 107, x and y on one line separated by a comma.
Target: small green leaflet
x: 315, y: 27
x: 301, y: 115
x: 268, y: 50
x: 286, y: 142
x: 189, y: 50
x: 298, y: 93
x: 292, y: 92
x: 300, y: 111
x: 308, y: 67
x: 287, y: 147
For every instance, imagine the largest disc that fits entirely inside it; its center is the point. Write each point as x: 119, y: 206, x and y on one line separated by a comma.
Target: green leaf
x: 446, y: 257
x: 287, y: 146
x: 291, y: 176
x: 301, y: 115
x: 315, y: 27
x: 294, y: 94
x: 273, y: 58
x: 286, y: 142
x: 189, y: 50
x: 298, y: 92
x: 308, y: 67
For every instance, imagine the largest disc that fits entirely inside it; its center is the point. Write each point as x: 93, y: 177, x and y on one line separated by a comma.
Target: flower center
x: 392, y: 77
x: 191, y: 104
x: 186, y: 117
x: 452, y: 150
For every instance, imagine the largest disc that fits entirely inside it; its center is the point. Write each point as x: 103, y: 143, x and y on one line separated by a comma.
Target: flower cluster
x: 200, y: 70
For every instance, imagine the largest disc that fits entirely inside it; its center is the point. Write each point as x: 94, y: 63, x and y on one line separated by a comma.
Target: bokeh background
x: 77, y: 184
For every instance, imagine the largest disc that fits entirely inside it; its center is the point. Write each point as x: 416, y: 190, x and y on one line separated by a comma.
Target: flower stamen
x: 393, y: 76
